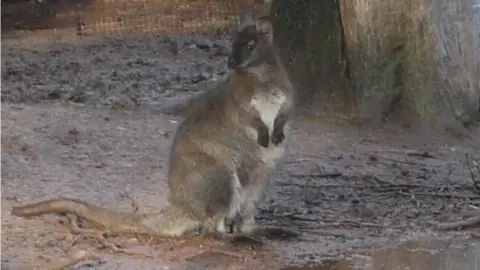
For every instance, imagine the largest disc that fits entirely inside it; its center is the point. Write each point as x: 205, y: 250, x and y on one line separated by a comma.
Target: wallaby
x: 222, y: 155
x: 255, y: 57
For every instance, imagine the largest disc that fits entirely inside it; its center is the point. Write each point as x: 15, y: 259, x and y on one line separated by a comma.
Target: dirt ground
x: 82, y: 119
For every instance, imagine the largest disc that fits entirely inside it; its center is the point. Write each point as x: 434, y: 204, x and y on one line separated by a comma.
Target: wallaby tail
x: 169, y: 221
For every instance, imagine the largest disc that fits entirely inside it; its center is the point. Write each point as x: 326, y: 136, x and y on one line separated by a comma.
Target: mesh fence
x: 114, y: 17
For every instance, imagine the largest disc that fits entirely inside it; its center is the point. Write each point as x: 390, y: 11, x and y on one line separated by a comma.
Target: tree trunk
x: 310, y: 37
x: 411, y: 60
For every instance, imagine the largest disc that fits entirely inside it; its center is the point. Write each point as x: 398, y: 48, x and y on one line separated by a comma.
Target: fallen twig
x: 461, y: 224
x: 349, y: 224
x: 101, y: 240
x: 296, y: 216
x: 325, y: 233
x: 304, y: 159
x: 422, y: 154
x: 471, y: 203
x: 390, y: 186
x: 392, y: 160
x: 236, y: 255
x: 97, y: 235
x: 332, y: 223
x: 317, y: 175
x: 436, y: 194
x: 77, y: 230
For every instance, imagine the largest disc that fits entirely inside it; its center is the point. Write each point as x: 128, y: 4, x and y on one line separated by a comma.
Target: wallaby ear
x: 265, y: 27
x: 244, y: 19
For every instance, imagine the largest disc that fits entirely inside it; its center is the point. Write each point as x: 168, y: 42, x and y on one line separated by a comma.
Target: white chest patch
x: 268, y: 105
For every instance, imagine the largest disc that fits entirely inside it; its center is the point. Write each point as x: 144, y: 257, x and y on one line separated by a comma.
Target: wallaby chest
x: 268, y: 105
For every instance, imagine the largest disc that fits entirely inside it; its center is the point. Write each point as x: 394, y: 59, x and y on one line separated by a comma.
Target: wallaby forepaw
x: 278, y: 137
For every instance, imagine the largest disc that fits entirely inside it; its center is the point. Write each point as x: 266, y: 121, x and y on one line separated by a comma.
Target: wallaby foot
x: 244, y: 225
x: 212, y: 230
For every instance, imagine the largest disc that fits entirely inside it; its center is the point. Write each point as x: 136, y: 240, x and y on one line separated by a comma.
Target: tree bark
x: 310, y: 37
x: 410, y: 60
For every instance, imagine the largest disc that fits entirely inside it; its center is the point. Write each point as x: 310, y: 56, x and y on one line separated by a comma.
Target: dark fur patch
x: 240, y: 51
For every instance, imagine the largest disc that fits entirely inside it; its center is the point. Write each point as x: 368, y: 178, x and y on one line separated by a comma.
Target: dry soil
x: 82, y: 118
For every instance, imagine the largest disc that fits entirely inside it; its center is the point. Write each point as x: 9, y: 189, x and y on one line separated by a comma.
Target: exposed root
x: 236, y: 255
x: 97, y: 235
x: 232, y: 254
x: 461, y: 224
x: 77, y: 230
x: 420, y: 154
x: 439, y: 194
x: 301, y: 160
x: 317, y: 175
x: 133, y: 202
x: 73, y: 258
x: 135, y: 205
x: 104, y: 243
x: 130, y: 252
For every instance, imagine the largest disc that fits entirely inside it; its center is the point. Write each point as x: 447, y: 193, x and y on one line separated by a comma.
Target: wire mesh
x: 116, y: 17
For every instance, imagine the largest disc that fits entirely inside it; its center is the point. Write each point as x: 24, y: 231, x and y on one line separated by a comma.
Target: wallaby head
x: 252, y: 43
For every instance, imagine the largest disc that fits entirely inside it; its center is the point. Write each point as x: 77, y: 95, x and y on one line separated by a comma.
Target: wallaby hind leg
x: 214, y: 192
x: 254, y: 192
x: 245, y: 224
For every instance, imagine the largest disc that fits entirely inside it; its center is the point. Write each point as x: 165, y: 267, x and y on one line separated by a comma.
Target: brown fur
x: 219, y: 164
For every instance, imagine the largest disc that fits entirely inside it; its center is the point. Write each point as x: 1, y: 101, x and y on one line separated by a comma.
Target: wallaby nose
x: 231, y: 63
